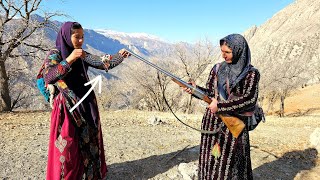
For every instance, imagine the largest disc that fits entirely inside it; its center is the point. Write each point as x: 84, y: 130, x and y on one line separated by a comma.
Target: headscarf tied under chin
x: 240, y: 65
x: 63, y: 41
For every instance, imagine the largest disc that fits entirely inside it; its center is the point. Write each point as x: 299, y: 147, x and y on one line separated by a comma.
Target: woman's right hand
x: 124, y: 53
x: 188, y: 90
x: 213, y: 106
x: 76, y: 54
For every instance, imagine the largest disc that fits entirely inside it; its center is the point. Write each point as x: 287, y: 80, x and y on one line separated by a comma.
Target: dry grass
x: 137, y: 150
x: 302, y: 101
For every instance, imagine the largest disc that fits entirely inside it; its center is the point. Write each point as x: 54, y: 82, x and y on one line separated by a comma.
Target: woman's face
x: 226, y: 53
x: 77, y: 38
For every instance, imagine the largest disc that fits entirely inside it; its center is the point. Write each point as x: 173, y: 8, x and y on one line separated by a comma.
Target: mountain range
x: 285, y: 43
x: 288, y: 44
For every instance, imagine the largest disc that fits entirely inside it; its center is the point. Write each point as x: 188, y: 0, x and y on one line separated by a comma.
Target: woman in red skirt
x: 76, y: 144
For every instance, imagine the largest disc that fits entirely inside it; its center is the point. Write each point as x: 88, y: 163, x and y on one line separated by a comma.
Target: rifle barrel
x: 153, y: 65
x: 195, y: 91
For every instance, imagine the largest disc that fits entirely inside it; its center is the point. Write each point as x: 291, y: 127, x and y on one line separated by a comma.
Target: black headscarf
x: 240, y: 65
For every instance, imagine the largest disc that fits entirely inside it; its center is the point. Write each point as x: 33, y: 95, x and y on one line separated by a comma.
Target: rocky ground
x: 153, y: 145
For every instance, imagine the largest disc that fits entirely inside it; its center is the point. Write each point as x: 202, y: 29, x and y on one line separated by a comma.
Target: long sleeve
x: 247, y: 100
x: 105, y: 62
x: 209, y: 90
x: 55, y: 67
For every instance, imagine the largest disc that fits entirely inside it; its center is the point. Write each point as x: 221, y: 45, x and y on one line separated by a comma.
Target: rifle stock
x: 234, y: 124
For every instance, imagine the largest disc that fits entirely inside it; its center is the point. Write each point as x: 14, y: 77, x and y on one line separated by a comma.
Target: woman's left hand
x: 213, y: 106
x: 188, y: 90
x: 124, y: 53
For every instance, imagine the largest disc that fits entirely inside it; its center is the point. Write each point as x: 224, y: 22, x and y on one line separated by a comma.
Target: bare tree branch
x: 21, y: 37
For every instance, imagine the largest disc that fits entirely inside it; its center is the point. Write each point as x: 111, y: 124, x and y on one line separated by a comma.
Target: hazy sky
x: 172, y: 20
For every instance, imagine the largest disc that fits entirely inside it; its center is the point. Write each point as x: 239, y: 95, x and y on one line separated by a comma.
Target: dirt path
x: 136, y: 149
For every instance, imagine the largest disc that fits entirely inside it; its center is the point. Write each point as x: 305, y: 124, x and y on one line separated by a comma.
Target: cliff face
x: 294, y: 22
x: 289, y: 42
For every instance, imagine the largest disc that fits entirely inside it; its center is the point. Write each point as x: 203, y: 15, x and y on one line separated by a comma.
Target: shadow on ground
x: 284, y: 168
x: 303, y: 112
x: 151, y: 166
x: 287, y: 166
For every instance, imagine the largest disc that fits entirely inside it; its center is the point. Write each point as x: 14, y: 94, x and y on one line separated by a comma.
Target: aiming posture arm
x: 234, y: 124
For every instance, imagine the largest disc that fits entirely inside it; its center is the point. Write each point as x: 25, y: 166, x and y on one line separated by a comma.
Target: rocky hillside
x: 289, y: 40
x: 286, y: 48
x: 140, y: 42
x: 295, y: 22
x: 26, y: 68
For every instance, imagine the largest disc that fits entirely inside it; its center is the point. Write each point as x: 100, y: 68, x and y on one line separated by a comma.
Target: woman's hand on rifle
x: 124, y: 53
x: 213, y: 106
x: 188, y: 90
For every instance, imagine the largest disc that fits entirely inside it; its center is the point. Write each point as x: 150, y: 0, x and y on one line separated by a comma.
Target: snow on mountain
x: 147, y: 44
x: 112, y: 33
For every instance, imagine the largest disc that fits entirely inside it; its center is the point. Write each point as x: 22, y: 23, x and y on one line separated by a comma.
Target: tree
x: 195, y: 61
x: 149, y: 85
x: 142, y: 87
x: 282, y: 71
x: 18, y: 29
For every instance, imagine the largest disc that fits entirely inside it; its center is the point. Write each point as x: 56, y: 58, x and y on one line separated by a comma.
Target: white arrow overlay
x: 94, y: 82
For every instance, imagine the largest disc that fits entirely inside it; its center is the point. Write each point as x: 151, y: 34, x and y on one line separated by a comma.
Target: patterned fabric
x: 63, y: 154
x: 56, y: 69
x: 105, y: 62
x: 233, y: 162
x: 240, y: 65
x: 76, y: 144
x: 221, y: 155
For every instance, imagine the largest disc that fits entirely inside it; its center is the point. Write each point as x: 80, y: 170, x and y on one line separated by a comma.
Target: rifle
x: 234, y: 124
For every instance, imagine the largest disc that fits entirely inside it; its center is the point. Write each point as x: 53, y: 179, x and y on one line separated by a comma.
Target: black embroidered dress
x: 234, y: 162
